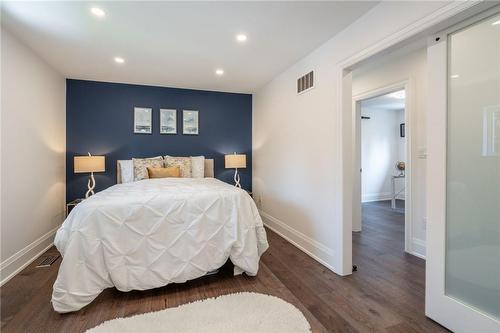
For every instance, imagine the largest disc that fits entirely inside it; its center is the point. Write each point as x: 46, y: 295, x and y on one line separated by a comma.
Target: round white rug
x: 241, y: 312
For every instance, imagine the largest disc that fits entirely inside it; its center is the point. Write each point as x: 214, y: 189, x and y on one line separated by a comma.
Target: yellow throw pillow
x: 171, y: 172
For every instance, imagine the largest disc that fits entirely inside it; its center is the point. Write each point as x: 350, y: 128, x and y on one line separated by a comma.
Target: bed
x: 149, y: 233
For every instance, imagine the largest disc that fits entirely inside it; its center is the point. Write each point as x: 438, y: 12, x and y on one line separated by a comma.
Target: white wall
x: 296, y: 171
x: 381, y: 148
x: 33, y: 143
x: 397, y: 67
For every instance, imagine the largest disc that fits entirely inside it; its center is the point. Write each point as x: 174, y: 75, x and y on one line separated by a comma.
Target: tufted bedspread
x: 153, y: 232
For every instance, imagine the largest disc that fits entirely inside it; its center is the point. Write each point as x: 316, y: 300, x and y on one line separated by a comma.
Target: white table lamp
x: 86, y: 164
x: 236, y: 161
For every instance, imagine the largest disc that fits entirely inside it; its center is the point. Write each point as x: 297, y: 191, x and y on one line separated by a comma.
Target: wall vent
x: 306, y: 82
x: 48, y: 260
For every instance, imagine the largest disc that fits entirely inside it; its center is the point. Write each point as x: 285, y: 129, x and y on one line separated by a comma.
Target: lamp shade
x: 235, y: 161
x: 85, y: 164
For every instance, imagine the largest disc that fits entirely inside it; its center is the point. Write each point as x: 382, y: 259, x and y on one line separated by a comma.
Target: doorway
x: 383, y: 150
x: 381, y: 154
x: 382, y: 161
x: 383, y: 157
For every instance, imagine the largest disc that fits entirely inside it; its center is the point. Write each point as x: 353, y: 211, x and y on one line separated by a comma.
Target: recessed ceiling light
x: 455, y: 76
x: 119, y: 60
x: 496, y: 22
x: 97, y: 12
x: 241, y: 38
x: 219, y: 71
x: 398, y: 94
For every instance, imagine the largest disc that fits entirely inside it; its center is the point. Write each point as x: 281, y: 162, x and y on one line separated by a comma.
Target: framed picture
x: 168, y: 121
x: 402, y: 130
x: 143, y: 120
x: 190, y: 122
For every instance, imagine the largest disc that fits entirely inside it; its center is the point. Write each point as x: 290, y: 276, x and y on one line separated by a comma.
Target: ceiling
x: 178, y: 44
x: 391, y: 101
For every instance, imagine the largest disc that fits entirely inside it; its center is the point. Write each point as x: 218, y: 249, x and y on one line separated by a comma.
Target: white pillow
x: 127, y: 171
x: 198, y: 166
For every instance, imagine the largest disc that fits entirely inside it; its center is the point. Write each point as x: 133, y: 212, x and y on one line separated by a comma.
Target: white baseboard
x: 316, y: 250
x: 418, y: 248
x: 369, y: 197
x: 380, y: 197
x: 17, y: 262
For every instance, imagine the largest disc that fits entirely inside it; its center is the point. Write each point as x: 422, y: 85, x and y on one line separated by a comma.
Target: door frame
x: 408, y: 86
x: 438, y: 306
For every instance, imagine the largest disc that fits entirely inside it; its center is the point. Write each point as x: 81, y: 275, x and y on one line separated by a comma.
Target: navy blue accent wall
x: 100, y: 117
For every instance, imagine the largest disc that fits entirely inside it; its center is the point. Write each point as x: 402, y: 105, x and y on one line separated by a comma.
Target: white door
x: 463, y: 231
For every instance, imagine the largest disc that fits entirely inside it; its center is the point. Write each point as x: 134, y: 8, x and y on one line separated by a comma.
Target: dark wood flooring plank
x: 329, y: 318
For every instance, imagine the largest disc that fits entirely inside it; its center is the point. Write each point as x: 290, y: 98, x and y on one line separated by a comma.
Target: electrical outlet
x: 424, y: 223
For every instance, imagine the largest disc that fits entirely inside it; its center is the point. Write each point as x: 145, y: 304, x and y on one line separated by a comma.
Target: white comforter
x: 153, y: 232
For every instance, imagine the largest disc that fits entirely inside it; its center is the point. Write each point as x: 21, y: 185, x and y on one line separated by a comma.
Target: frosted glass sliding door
x: 472, y: 259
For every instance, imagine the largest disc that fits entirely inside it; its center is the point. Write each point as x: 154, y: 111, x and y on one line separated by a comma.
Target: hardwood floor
x: 386, y: 294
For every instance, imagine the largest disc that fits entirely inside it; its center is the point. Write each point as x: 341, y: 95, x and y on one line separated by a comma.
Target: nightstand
x: 72, y: 204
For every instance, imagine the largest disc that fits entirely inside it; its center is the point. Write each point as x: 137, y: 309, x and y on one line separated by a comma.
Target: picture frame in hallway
x: 168, y: 121
x: 143, y: 120
x: 190, y: 122
x: 402, y: 130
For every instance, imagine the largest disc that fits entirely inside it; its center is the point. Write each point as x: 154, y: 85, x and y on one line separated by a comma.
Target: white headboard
x: 209, y: 169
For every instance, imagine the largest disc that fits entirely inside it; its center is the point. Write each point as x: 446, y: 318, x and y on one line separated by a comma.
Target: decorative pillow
x: 127, y: 171
x: 141, y: 164
x: 184, y: 163
x: 198, y: 166
x: 164, y: 172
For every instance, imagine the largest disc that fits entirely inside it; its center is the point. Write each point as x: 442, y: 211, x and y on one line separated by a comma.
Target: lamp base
x: 237, y: 178
x: 90, y: 186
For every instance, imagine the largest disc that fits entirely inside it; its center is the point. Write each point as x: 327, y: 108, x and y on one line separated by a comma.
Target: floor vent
x: 48, y: 260
x: 306, y: 82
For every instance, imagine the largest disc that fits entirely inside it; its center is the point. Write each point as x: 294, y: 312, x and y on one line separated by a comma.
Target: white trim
x: 20, y: 260
x: 371, y: 197
x: 343, y: 259
x: 316, y: 250
x: 418, y: 248
x: 386, y: 89
x: 342, y: 234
